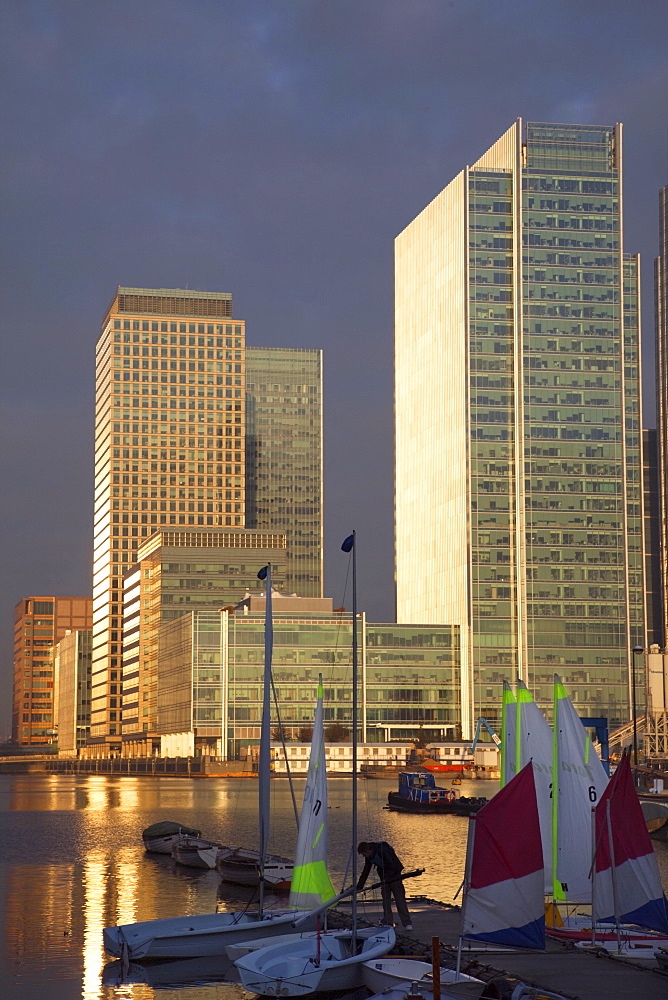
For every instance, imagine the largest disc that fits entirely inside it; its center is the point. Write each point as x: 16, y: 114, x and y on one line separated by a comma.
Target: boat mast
x: 264, y: 766
x: 465, y: 889
x: 347, y: 546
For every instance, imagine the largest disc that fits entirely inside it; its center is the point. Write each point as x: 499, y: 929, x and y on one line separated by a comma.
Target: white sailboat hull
x: 194, y: 936
x: 385, y: 973
x: 317, y: 964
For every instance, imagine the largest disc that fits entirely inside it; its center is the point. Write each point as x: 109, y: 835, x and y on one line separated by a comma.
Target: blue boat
x: 419, y: 793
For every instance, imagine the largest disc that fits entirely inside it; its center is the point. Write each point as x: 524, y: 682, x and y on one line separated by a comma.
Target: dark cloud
x: 273, y: 150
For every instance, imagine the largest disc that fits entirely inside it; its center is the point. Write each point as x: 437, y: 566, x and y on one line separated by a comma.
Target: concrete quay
x: 578, y: 975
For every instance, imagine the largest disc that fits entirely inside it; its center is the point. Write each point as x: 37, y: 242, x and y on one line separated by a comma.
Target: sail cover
x: 534, y: 743
x: 504, y: 902
x: 578, y: 783
x: 626, y: 870
x: 310, y: 884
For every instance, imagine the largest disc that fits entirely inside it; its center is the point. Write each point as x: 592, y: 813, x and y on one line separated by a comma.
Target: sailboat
x: 195, y: 936
x: 627, y: 884
x: 503, y: 882
x: 310, y: 886
x: 527, y: 736
x: 332, y: 960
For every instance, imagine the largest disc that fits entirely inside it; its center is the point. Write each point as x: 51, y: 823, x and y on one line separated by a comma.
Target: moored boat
x: 317, y: 963
x: 194, y: 936
x: 241, y: 866
x: 385, y: 973
x: 419, y: 793
x: 159, y: 837
x: 195, y: 852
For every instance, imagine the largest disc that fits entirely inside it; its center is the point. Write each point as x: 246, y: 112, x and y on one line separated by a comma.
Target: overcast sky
x: 272, y: 150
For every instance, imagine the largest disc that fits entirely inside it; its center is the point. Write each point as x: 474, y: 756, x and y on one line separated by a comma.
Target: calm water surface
x: 72, y: 862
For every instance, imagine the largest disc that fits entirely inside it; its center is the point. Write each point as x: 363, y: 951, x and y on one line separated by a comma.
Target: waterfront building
x: 661, y: 318
x: 39, y: 623
x: 170, y: 452
x: 517, y: 401
x: 211, y: 668
x: 72, y: 690
x: 294, y: 757
x: 180, y: 571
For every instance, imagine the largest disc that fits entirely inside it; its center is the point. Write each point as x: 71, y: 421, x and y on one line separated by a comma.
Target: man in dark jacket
x: 389, y: 868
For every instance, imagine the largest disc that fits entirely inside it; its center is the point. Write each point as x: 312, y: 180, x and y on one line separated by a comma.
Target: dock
x: 576, y: 974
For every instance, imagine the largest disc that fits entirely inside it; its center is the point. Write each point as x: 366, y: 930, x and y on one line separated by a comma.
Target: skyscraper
x: 170, y: 448
x: 661, y: 313
x: 284, y: 457
x: 518, y: 472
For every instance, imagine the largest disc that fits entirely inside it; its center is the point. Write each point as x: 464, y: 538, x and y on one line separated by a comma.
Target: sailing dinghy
x: 503, y: 882
x: 331, y: 960
x: 204, y: 934
x: 159, y: 837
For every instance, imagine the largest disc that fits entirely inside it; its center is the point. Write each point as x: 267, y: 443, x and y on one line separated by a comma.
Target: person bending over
x: 389, y: 868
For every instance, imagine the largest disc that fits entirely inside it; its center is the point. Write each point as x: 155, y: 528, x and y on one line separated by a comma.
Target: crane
x: 483, y: 722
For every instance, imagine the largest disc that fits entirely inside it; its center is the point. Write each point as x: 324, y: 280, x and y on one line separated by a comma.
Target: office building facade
x: 177, y: 572
x: 72, y: 698
x: 284, y: 457
x: 211, y: 670
x: 661, y: 319
x: 518, y: 491
x: 170, y: 450
x: 39, y: 624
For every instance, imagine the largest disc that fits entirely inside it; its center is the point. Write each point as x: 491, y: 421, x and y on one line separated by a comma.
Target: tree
x: 305, y: 734
x: 336, y: 732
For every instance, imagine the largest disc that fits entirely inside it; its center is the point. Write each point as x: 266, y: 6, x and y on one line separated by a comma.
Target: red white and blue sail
x: 627, y: 876
x: 504, y: 901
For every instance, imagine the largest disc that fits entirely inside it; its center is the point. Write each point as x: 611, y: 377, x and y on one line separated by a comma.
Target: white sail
x: 534, y: 743
x: 578, y: 783
x: 310, y: 884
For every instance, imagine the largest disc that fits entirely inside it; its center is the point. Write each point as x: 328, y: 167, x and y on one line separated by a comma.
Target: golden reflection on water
x: 95, y: 880
x: 73, y: 862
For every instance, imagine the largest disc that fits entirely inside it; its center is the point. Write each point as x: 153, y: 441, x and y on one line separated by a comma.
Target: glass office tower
x: 284, y: 457
x: 518, y: 471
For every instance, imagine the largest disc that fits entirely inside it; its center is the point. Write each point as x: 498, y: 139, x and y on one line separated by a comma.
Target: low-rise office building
x: 210, y: 672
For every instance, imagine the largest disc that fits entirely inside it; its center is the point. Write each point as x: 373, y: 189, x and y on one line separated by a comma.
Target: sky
x: 272, y: 149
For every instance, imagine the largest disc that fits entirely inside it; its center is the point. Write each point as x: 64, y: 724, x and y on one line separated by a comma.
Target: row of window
x: 201, y: 328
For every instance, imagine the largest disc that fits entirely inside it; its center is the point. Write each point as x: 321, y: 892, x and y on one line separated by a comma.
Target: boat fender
x: 434, y: 796
x: 450, y: 796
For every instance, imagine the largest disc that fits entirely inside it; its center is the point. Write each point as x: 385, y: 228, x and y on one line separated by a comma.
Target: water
x: 73, y: 862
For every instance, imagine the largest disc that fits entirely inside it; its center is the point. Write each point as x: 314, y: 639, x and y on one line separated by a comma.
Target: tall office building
x: 661, y: 314
x: 284, y: 457
x: 39, y: 624
x: 170, y: 449
x: 518, y: 472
